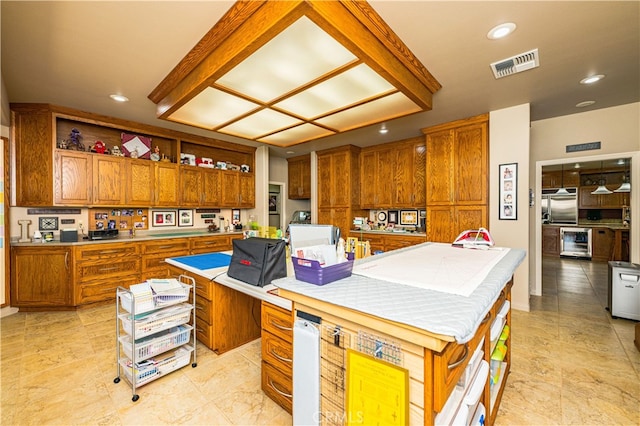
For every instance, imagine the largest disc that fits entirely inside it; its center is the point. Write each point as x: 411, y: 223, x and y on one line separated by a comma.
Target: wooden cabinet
x: 154, y: 253
x: 167, y: 179
x: 73, y: 178
x: 551, y: 240
x: 238, y: 190
x: 41, y: 277
x: 212, y: 243
x: 101, y: 268
x: 457, y: 161
x: 139, y: 182
x: 602, y: 246
x: 555, y: 179
x: 409, y: 187
x: 47, y: 176
x: 108, y: 184
x: 376, y: 177
x: 388, y: 241
x: 615, y: 200
x: 277, y: 354
x: 299, y: 171
x: 339, y: 186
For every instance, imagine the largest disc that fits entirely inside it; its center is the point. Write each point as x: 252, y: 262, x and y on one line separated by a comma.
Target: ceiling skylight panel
x: 299, y: 54
x: 260, y: 123
x: 391, y: 106
x: 350, y: 87
x: 211, y: 108
x: 298, y: 134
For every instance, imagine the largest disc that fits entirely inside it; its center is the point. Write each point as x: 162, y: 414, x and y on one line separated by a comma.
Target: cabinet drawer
x: 204, y: 288
x: 158, y: 261
x: 277, y: 352
x: 170, y: 247
x: 278, y: 386
x: 204, y: 309
x: 451, y: 363
x: 101, y: 291
x: 210, y: 244
x: 277, y: 321
x: 204, y: 333
x: 104, y: 269
x: 107, y: 251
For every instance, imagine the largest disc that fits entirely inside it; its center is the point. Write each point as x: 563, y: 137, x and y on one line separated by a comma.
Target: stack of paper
x: 168, y: 290
x: 143, y: 297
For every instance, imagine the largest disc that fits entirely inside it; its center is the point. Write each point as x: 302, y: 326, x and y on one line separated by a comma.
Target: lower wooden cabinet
x: 551, y: 240
x: 389, y: 241
x: 155, y: 252
x: 41, y: 277
x: 277, y: 354
x: 602, y: 244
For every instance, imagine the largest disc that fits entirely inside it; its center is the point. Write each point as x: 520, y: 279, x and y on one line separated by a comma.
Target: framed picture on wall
x: 508, y: 191
x: 164, y: 218
x: 185, y: 217
x: 408, y: 217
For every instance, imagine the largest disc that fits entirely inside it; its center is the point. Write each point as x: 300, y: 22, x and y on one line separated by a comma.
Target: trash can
x: 624, y: 290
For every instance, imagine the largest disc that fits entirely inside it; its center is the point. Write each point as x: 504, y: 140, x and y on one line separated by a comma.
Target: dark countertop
x: 593, y: 224
x: 124, y: 237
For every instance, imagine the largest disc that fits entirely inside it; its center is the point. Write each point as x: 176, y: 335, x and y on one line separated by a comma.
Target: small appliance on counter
x: 594, y: 215
x: 69, y: 235
x: 103, y: 234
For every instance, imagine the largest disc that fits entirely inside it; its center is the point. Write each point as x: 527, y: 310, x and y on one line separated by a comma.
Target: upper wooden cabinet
x: 299, y: 171
x: 49, y: 176
x: 615, y: 200
x: 457, y: 173
x: 392, y: 175
x: 555, y: 179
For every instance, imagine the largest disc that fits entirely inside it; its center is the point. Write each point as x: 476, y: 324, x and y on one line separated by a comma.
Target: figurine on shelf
x: 99, y: 147
x: 74, y: 141
x: 134, y: 153
x: 155, y: 155
x: 116, y: 151
x: 165, y: 159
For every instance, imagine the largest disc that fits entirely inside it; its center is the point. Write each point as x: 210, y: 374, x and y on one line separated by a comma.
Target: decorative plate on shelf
x: 382, y: 216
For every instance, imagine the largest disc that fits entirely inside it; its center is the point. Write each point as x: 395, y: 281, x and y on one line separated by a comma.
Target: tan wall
x: 618, y: 130
x: 509, y: 143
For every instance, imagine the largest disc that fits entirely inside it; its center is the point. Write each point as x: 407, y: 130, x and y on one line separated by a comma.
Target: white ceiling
x: 76, y: 53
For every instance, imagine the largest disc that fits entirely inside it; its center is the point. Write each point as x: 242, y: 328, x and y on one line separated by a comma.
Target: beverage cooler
x: 624, y: 290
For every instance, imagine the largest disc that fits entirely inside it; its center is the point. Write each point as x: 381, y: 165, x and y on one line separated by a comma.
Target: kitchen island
x: 435, y: 333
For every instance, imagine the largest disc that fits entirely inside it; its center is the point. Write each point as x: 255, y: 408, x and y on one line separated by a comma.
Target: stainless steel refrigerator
x: 559, y: 209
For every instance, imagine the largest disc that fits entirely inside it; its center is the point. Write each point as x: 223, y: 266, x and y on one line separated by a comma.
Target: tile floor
x: 572, y: 364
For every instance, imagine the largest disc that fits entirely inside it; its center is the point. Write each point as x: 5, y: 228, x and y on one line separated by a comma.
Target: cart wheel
x: 135, y: 398
x: 194, y: 365
x: 116, y: 380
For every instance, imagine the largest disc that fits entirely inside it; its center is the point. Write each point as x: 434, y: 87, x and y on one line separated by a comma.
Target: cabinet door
x: 230, y: 190
x: 211, y: 188
x: 299, y: 174
x: 41, y: 276
x: 108, y: 187
x: 140, y: 182
x: 551, y: 240
x: 73, y: 178
x: 471, y: 163
x: 339, y: 217
x: 440, y: 168
x: 440, y: 224
x: 166, y: 184
x: 384, y: 178
x: 341, y: 184
x: 325, y: 181
x: 190, y: 186
x: 470, y: 217
x: 602, y: 243
x: 247, y: 185
x: 409, y: 188
x: 587, y: 200
x: 34, y: 165
x: 368, y: 175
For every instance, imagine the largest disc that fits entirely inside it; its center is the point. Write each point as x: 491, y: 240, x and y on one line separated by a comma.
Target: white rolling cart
x: 155, y: 330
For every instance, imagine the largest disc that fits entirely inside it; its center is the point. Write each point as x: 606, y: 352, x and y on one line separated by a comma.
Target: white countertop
x: 220, y: 276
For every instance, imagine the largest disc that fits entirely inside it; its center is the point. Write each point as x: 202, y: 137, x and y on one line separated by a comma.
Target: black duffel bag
x: 258, y: 261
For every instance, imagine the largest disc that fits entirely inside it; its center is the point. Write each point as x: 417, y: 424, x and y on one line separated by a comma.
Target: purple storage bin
x: 310, y: 271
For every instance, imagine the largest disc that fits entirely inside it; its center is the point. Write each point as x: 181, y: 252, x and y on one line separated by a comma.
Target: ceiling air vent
x: 515, y: 64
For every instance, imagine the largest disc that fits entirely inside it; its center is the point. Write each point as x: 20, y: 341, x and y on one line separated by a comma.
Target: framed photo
x: 164, y: 218
x: 235, y: 216
x: 185, y: 217
x: 408, y: 217
x: 392, y: 216
x: 508, y: 191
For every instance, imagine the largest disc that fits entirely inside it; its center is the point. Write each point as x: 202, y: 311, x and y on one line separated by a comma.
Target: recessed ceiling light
x: 500, y: 31
x: 383, y: 130
x: 291, y: 152
x: 119, y: 98
x: 585, y: 104
x: 592, y: 79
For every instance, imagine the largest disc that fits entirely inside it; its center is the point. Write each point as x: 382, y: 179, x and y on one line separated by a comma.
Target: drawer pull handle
x: 108, y: 269
x: 281, y: 358
x: 462, y: 358
x: 279, y: 391
x: 281, y: 327
x: 200, y: 307
x: 166, y: 247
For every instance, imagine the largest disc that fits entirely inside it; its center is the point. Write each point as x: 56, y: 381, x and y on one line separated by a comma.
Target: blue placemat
x: 205, y: 261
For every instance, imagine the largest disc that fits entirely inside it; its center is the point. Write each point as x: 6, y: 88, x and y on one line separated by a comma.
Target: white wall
x: 509, y: 143
x: 618, y: 130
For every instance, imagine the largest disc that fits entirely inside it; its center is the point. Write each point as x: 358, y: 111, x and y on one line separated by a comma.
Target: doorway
x: 276, y: 203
